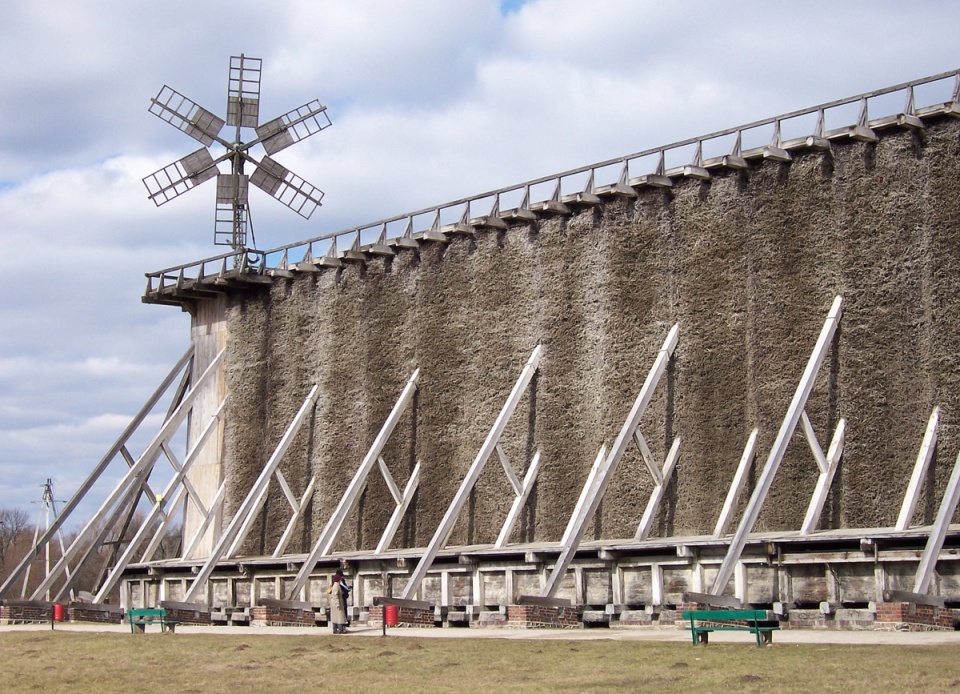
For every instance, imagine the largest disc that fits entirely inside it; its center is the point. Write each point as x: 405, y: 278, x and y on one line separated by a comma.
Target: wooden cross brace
x: 828, y: 465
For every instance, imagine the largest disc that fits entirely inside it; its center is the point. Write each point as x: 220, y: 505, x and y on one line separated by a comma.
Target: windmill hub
x: 243, y: 111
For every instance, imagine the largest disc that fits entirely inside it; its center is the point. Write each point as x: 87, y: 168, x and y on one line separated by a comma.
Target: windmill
x: 243, y: 111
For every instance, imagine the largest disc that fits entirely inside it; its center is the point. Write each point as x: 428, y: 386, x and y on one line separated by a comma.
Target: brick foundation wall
x: 677, y: 615
x: 415, y: 617
x: 542, y: 617
x: 908, y: 617
x: 275, y: 616
x: 186, y: 613
x: 14, y: 612
x: 96, y: 614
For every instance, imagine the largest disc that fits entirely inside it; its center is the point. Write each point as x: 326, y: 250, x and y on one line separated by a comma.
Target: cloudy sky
x: 431, y: 100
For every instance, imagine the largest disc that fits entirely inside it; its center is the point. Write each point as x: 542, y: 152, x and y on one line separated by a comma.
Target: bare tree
x: 14, y: 528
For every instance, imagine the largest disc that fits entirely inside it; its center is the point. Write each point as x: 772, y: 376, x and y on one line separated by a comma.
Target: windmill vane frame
x: 233, y: 221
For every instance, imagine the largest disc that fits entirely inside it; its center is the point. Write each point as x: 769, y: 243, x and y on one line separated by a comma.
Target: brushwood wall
x: 747, y: 263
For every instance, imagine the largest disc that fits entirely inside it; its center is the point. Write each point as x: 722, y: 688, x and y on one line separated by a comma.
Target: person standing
x: 338, y: 592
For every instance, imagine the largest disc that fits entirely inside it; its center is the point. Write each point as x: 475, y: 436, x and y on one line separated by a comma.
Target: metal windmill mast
x: 233, y: 219
x: 48, y: 506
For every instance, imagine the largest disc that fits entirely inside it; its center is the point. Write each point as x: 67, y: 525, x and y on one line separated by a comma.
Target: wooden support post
x: 297, y: 512
x: 789, y: 425
x: 80, y: 494
x: 394, y: 524
x: 656, y: 496
x: 736, y: 487
x: 215, y: 507
x: 586, y: 493
x: 828, y: 468
x: 174, y: 488
x: 924, y: 457
x: 463, y: 493
x: 938, y: 532
x: 134, y: 476
x: 609, y: 467
x: 253, y: 498
x: 359, y: 482
x: 520, y: 501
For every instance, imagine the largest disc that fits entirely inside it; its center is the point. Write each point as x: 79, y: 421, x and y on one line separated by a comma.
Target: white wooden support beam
x: 174, y: 510
x: 812, y: 520
x: 287, y: 492
x: 924, y: 457
x: 352, y: 494
x: 188, y: 485
x: 251, y: 510
x: 129, y: 460
x: 814, y: 443
x: 938, y: 532
x: 297, y: 512
x: 114, y: 522
x: 252, y: 498
x: 656, y: 584
x: 215, y: 507
x: 609, y: 466
x: 736, y: 487
x: 740, y: 582
x: 135, y: 475
x: 520, y: 501
x: 176, y: 488
x: 648, y: 457
x: 653, y: 503
x: 394, y: 524
x: 508, y: 469
x: 789, y: 425
x: 388, y: 478
x: 117, y: 570
x: 463, y: 493
x: 586, y: 493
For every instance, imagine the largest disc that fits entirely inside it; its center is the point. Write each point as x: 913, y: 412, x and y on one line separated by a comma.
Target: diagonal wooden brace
x: 520, y: 501
x: 827, y: 471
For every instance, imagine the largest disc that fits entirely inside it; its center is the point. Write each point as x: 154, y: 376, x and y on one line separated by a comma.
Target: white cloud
x: 431, y: 101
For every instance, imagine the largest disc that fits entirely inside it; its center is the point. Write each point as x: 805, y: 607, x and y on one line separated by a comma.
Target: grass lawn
x: 154, y: 662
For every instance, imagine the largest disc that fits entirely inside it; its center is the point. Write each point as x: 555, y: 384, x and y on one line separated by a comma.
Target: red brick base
x: 905, y: 616
x: 406, y: 617
x: 678, y: 619
x: 186, y: 613
x: 542, y: 617
x: 96, y: 614
x: 272, y: 616
x: 25, y: 612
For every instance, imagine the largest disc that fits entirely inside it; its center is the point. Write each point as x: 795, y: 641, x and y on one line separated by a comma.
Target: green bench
x: 139, y: 619
x: 702, y: 622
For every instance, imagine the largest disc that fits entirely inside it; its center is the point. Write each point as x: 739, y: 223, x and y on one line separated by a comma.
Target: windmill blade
x: 293, y: 126
x: 186, y: 115
x: 243, y: 91
x: 284, y: 185
x: 232, y: 188
x: 180, y: 176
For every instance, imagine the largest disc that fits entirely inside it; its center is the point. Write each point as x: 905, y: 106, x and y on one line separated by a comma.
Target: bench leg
x: 168, y: 628
x: 702, y: 637
x: 138, y: 628
x: 766, y: 638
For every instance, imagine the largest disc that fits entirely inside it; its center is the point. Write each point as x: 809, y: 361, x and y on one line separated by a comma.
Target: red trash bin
x: 391, y: 615
x: 59, y: 612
